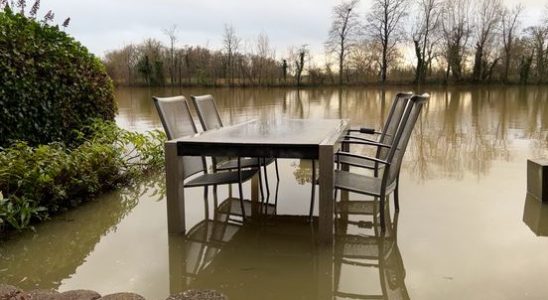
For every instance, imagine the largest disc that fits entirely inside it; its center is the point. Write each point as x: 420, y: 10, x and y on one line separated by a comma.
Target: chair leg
x: 265, y: 178
x: 313, y: 192
x: 261, y: 185
x: 215, y: 202
x: 241, y: 199
x: 206, y: 202
x: 382, y: 201
x: 277, y: 171
x: 275, y: 199
x: 396, y: 194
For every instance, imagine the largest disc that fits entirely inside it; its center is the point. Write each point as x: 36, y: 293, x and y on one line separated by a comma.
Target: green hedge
x: 49, y: 83
x: 38, y: 181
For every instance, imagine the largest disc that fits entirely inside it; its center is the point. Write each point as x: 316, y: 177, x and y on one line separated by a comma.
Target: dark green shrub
x: 49, y: 83
x: 37, y: 181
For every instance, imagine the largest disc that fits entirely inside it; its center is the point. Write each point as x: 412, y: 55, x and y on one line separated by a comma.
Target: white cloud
x: 103, y: 25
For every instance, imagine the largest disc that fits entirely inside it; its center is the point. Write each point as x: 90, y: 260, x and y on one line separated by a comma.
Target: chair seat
x: 359, y: 162
x: 361, y: 184
x: 245, y: 163
x: 358, y: 207
x: 229, y: 177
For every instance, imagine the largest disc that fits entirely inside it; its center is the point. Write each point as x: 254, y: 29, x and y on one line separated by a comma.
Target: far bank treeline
x: 395, y: 41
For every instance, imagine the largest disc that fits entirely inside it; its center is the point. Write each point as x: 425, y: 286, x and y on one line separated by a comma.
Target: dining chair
x: 208, y: 113
x: 382, y: 144
x: 393, y: 110
x: 385, y: 137
x: 177, y: 120
x: 383, y: 186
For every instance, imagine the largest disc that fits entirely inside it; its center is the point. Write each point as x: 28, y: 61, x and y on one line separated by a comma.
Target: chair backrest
x: 177, y: 121
x: 392, y: 122
x: 207, y: 112
x: 397, y: 151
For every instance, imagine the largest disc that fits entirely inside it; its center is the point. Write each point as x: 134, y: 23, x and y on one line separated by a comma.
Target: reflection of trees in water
x: 59, y: 246
x: 462, y: 129
x: 303, y: 171
x: 537, y: 127
x: 463, y: 132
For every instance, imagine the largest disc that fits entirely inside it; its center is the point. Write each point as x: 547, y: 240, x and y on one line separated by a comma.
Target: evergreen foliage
x: 49, y: 83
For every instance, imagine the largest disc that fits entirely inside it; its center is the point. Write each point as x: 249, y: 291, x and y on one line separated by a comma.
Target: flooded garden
x: 465, y: 230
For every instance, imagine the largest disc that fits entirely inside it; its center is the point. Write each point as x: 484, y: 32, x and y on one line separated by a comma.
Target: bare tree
x: 231, y: 46
x: 486, y: 25
x: 456, y: 32
x: 423, y: 35
x: 299, y: 57
x: 510, y: 24
x: 344, y: 32
x: 539, y: 40
x: 385, y: 24
x: 265, y: 54
x: 171, y: 33
x: 365, y: 60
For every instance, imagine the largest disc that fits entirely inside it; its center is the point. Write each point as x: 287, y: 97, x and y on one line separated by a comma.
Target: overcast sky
x: 103, y: 25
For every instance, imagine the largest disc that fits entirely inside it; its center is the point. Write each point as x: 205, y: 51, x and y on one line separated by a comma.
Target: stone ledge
x: 9, y: 292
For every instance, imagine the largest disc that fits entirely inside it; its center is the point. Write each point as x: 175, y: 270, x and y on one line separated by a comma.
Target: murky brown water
x: 465, y: 229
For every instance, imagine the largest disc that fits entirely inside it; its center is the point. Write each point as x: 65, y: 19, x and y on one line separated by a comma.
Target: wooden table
x: 285, y: 138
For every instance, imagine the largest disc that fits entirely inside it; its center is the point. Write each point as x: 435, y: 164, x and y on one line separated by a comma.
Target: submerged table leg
x: 177, y: 264
x: 174, y: 189
x: 327, y: 204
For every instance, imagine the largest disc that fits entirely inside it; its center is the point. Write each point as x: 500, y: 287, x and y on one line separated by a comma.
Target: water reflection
x: 535, y: 215
x: 469, y: 150
x: 461, y: 130
x: 276, y: 257
x: 74, y: 234
x: 361, y: 247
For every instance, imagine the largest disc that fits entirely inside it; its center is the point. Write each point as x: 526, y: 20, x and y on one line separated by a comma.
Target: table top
x: 268, y: 138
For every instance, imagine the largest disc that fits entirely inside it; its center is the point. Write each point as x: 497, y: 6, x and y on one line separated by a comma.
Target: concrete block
x: 535, y: 215
x: 537, y: 179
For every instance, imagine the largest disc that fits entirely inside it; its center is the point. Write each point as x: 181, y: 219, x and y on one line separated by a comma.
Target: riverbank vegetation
x: 58, y: 143
x: 398, y: 41
x: 46, y: 179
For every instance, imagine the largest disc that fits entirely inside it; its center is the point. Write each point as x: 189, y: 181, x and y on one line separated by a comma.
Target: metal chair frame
x: 383, y: 143
x: 177, y: 121
x: 373, y: 186
x: 210, y: 118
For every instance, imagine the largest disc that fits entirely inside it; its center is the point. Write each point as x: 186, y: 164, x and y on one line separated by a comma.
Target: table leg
x: 326, y: 215
x: 177, y: 264
x: 174, y: 189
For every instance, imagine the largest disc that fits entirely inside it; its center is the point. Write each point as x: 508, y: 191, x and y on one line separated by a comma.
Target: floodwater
x: 465, y: 230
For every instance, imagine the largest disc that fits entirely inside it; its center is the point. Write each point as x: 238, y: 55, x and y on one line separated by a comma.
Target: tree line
x: 452, y: 41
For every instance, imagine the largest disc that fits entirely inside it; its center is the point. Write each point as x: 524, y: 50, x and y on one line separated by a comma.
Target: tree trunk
x: 478, y: 64
x: 420, y: 63
x: 341, y: 70
x: 384, y: 62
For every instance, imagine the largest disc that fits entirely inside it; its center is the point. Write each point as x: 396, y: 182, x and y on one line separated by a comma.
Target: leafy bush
x: 49, y: 83
x: 37, y: 181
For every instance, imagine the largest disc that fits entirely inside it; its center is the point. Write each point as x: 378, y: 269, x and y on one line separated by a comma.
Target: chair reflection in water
x: 361, y: 246
x: 281, y: 259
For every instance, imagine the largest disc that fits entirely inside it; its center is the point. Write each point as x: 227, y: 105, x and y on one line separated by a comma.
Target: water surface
x: 466, y: 229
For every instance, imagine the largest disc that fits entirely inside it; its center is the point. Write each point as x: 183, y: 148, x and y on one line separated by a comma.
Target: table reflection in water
x: 276, y: 257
